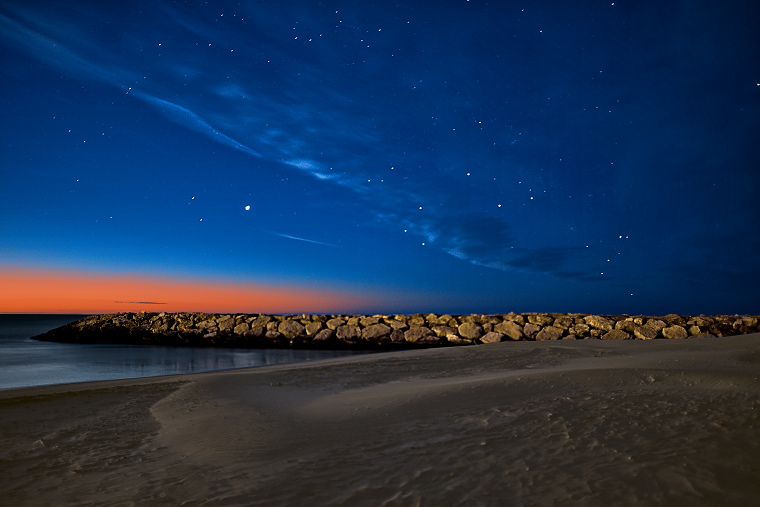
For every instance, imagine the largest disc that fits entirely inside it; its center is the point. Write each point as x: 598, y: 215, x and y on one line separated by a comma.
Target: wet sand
x: 661, y: 422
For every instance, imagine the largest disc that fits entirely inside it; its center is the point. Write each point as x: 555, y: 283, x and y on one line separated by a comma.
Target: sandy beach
x: 588, y: 422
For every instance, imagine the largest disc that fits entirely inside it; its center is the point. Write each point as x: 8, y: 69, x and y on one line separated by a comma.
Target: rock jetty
x: 385, y: 331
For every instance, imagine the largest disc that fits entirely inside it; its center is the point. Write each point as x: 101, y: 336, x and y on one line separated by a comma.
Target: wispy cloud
x: 288, y: 236
x: 26, y: 35
x: 188, y: 119
x: 139, y: 303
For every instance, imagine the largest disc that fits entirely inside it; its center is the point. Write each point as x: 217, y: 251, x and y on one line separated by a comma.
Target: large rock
x: 549, y: 333
x: 616, y: 334
x: 540, y: 319
x: 208, y: 325
x: 445, y: 320
x: 335, y: 323
x: 431, y: 319
x: 645, y: 333
x: 489, y: 319
x: 471, y: 330
x: 290, y: 328
x: 674, y: 320
x: 444, y: 331
x: 417, y: 333
x: 261, y: 320
x: 375, y: 331
x: 348, y: 333
x: 324, y: 335
x: 369, y: 321
x: 510, y: 329
x: 514, y: 317
x: 599, y: 322
x: 625, y: 325
x: 492, y: 337
x: 701, y: 321
x: 580, y: 330
x: 241, y: 328
x: 531, y: 330
x: 675, y: 332
x: 416, y: 321
x: 226, y: 323
x: 312, y: 328
x: 397, y: 324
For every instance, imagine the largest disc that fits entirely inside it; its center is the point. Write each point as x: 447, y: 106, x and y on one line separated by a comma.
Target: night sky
x: 450, y: 156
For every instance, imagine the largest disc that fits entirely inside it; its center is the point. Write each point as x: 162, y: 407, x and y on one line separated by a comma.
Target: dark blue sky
x: 461, y: 156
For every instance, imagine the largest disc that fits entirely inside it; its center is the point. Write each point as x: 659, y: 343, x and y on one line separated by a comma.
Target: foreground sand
x: 531, y: 423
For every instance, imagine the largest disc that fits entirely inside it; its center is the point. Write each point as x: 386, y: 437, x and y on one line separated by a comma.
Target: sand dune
x: 528, y: 423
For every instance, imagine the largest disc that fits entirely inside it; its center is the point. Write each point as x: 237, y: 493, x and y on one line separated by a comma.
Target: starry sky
x: 339, y: 156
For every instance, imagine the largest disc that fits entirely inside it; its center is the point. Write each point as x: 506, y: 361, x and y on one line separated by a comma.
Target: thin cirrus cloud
x: 188, y: 119
x: 308, y: 130
x: 306, y: 240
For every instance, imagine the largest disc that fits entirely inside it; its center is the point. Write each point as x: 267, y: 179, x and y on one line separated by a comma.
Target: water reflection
x: 25, y: 362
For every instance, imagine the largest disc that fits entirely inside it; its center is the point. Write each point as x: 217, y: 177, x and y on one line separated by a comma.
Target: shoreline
x: 387, y: 332
x: 592, y: 422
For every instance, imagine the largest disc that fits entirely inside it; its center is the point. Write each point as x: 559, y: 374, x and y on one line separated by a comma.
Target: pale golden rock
x: 312, y: 328
x: 348, y: 332
x: 417, y: 333
x: 324, y: 335
x: 625, y: 325
x: 645, y: 333
x: 599, y: 322
x: 510, y: 329
x: 491, y: 337
x: 675, y: 332
x: 514, y: 317
x: 471, y: 330
x: 241, y: 328
x: 540, y: 319
x: 549, y: 333
x: 369, y: 321
x: 291, y: 328
x: 443, y: 331
x: 416, y: 321
x: 376, y: 331
x: 616, y: 334
x: 397, y: 324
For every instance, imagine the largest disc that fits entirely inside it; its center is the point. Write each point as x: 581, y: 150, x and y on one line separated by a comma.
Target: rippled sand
x: 528, y: 423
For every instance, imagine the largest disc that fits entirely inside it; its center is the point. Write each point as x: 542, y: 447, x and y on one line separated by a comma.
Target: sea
x: 25, y: 362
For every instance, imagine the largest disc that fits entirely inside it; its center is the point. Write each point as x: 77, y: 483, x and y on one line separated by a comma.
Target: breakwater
x: 385, y: 331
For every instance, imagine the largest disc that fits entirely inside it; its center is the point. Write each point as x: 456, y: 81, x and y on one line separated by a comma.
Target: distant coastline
x: 386, y: 331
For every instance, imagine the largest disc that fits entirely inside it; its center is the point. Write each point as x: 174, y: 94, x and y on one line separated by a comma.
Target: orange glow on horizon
x: 27, y: 291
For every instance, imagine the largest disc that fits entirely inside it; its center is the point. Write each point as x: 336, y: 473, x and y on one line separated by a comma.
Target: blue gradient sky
x: 458, y: 156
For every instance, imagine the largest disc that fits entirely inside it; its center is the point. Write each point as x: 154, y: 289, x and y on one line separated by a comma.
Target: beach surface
x: 588, y: 422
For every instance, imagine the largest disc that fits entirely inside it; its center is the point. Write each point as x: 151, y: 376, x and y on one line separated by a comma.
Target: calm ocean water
x: 25, y: 362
